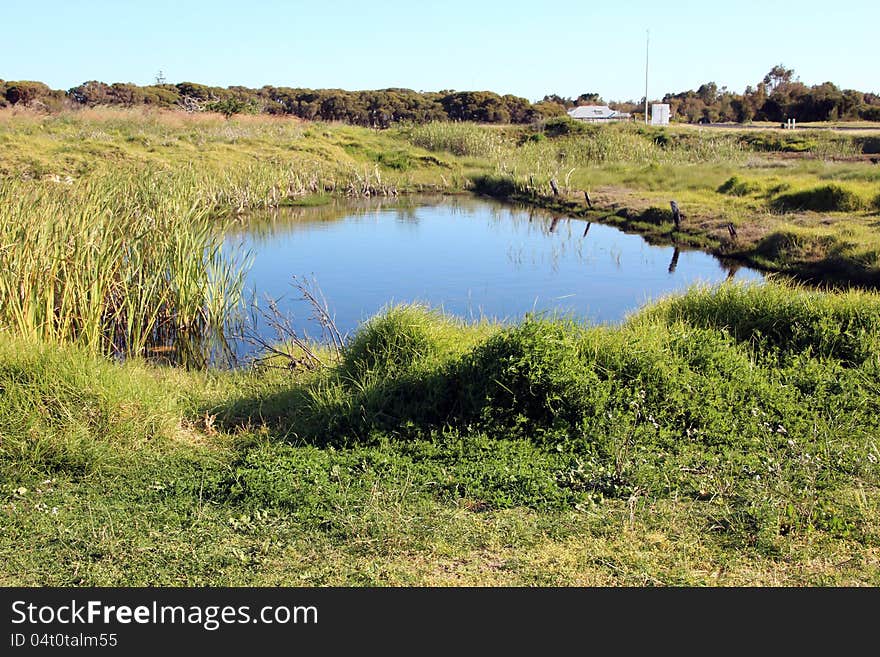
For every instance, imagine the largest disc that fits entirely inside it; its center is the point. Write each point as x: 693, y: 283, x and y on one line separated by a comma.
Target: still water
x: 468, y: 256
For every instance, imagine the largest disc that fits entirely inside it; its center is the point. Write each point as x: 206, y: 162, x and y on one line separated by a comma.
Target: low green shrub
x: 560, y: 126
x: 495, y: 185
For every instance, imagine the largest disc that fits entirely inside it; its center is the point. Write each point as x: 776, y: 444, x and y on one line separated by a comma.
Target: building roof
x: 593, y: 112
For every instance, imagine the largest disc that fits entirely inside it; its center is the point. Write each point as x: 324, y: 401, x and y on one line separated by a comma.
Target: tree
x: 567, y: 103
x: 708, y: 93
x: 91, y: 93
x: 25, y: 92
x: 778, y: 76
x: 590, y: 98
x: 232, y: 105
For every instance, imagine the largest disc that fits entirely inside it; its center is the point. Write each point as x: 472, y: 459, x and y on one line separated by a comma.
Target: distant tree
x: 567, y: 103
x: 590, y: 98
x: 232, y: 105
x: 692, y: 108
x: 25, y: 92
x: 777, y: 96
x: 626, y: 106
x: 547, y: 109
x: 91, y: 93
x: 851, y: 104
x: 126, y: 94
x: 778, y: 76
x: 196, y: 91
x: 823, y: 103
x: 708, y: 93
x: 163, y: 96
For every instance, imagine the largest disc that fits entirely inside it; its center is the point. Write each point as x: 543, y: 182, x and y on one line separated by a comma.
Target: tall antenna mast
x: 647, y: 45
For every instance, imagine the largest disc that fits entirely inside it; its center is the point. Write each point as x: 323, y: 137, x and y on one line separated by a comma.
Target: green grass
x: 723, y: 437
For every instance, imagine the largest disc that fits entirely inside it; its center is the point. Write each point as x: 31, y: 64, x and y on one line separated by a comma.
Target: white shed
x: 660, y: 114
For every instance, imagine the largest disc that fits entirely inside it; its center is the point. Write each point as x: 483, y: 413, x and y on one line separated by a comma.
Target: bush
x: 564, y: 125
x: 530, y: 374
x: 498, y: 186
x: 655, y: 215
x: 230, y: 106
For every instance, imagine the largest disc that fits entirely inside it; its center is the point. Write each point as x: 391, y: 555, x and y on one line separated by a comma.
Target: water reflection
x: 673, y: 264
x: 469, y: 256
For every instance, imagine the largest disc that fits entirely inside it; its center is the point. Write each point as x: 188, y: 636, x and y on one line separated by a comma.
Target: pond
x: 469, y: 256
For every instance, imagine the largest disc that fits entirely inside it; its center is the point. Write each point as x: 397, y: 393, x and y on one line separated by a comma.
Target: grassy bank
x: 805, y: 203
x: 723, y: 437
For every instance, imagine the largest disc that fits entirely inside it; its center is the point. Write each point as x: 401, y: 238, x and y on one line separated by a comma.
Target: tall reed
x: 123, y: 264
x: 463, y: 139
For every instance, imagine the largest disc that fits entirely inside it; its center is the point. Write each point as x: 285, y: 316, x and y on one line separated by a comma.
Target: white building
x: 597, y: 114
x: 660, y: 114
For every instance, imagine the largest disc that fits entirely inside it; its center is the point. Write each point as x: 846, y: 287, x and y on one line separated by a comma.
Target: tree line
x: 378, y: 108
x: 779, y: 95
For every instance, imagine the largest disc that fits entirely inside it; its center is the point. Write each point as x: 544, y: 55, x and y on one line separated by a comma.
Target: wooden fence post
x: 676, y: 214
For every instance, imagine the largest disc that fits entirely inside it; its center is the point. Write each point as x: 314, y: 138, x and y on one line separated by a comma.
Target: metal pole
x: 647, y: 44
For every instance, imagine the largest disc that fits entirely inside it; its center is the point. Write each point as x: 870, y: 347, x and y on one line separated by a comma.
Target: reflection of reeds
x: 124, y: 264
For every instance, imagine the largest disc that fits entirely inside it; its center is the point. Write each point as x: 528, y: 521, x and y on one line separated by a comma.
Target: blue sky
x: 524, y: 48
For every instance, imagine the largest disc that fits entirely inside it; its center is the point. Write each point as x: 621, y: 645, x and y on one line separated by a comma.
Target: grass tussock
x: 825, y: 198
x: 843, y: 326
x: 64, y: 410
x: 736, y: 186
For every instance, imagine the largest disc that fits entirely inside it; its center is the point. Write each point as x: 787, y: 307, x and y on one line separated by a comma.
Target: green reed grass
x: 463, y: 139
x: 120, y: 264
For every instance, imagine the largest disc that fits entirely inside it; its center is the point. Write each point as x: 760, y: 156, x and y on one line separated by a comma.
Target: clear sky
x: 525, y: 48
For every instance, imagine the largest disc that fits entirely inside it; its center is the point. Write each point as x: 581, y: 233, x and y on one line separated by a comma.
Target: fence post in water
x: 554, y: 186
x: 676, y: 214
x: 674, y: 262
